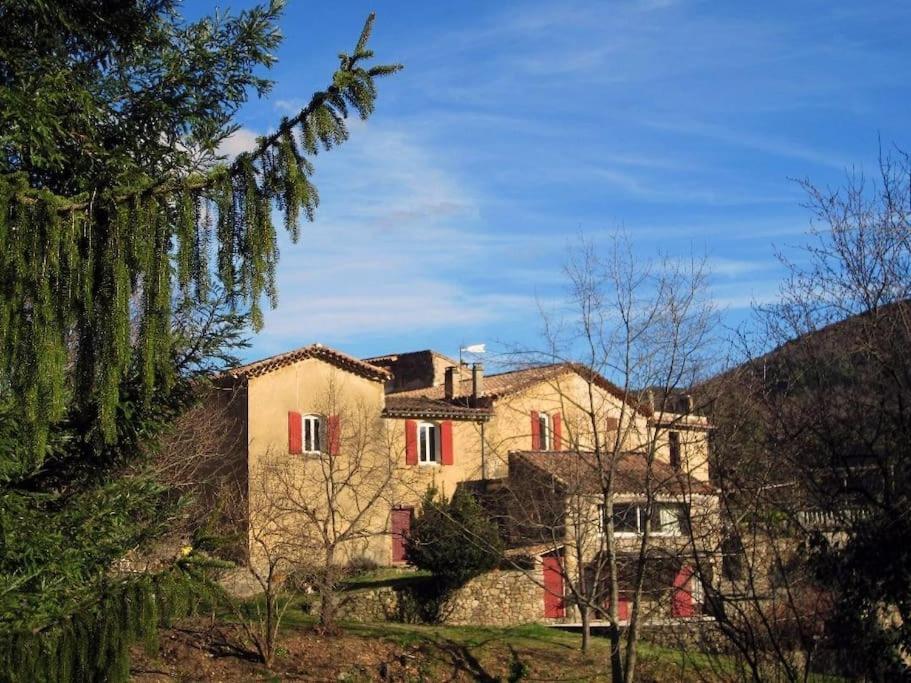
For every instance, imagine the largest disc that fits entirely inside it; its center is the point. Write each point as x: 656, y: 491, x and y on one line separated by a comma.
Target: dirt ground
x: 197, y: 650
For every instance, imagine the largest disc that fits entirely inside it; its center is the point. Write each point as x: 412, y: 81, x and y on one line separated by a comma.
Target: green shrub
x: 455, y: 539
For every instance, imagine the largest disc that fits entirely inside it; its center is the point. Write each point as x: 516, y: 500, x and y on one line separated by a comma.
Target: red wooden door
x: 401, y: 525
x: 682, y: 603
x: 553, y: 588
x: 623, y: 607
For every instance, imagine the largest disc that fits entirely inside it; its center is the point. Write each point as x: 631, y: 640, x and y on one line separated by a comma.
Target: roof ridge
x: 316, y: 349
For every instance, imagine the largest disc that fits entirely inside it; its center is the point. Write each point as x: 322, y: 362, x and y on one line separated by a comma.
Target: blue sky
x: 515, y: 127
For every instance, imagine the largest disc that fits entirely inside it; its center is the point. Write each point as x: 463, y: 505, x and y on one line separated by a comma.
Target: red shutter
x: 554, y: 606
x: 333, y: 427
x: 612, y: 424
x: 411, y: 442
x: 558, y: 431
x: 682, y: 602
x: 446, y: 442
x: 295, y: 440
x: 623, y: 607
x: 535, y: 431
x: 401, y: 525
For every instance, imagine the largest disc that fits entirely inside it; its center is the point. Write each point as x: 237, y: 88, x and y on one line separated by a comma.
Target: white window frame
x: 640, y: 520
x: 428, y: 443
x: 545, y: 433
x: 311, y: 433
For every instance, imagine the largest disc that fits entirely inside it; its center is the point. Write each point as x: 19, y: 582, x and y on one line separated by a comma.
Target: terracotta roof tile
x: 420, y: 406
x: 337, y: 358
x: 506, y: 383
x: 575, y: 469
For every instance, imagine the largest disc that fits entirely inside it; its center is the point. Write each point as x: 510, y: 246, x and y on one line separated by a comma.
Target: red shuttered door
x: 554, y: 607
x: 401, y: 525
x: 623, y: 607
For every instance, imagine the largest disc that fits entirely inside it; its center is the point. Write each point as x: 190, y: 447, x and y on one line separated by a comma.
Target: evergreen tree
x: 112, y: 195
x: 113, y: 198
x: 454, y: 539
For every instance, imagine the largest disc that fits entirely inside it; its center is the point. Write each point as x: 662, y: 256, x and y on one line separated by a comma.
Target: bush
x: 361, y: 564
x: 455, y: 539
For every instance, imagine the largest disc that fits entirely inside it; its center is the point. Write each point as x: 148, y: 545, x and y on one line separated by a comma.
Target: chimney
x: 689, y: 404
x: 449, y: 382
x: 477, y: 380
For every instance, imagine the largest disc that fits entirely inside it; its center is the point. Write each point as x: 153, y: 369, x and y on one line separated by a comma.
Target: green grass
x: 386, y: 576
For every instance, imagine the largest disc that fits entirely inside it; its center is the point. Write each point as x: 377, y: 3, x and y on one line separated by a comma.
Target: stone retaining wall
x: 496, y: 598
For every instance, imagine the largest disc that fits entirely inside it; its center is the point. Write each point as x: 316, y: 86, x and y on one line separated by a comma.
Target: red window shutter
x: 333, y: 427
x: 446, y: 442
x: 557, y: 421
x: 535, y: 431
x: 411, y: 442
x: 682, y: 602
x: 612, y: 424
x: 295, y: 439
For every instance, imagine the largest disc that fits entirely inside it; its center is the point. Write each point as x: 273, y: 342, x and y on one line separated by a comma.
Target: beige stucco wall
x: 356, y: 479
x: 510, y: 428
x: 412, y: 481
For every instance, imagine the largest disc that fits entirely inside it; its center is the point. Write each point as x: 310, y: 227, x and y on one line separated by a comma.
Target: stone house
x: 317, y: 431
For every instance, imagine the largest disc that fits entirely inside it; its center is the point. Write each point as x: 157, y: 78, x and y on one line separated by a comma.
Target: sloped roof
x: 514, y: 381
x: 422, y: 407
x: 337, y: 358
x: 579, y: 471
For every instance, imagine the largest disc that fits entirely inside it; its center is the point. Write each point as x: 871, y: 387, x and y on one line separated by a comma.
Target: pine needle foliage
x: 93, y: 643
x: 91, y: 279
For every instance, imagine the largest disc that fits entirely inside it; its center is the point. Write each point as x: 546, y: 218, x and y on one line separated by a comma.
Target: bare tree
x: 646, y: 328
x: 311, y: 514
x: 814, y: 447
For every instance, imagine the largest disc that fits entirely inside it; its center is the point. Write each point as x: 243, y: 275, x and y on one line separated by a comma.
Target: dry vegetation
x: 199, y: 650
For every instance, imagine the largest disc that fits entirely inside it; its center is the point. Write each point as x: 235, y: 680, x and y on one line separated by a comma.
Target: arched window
x: 428, y: 443
x: 311, y: 428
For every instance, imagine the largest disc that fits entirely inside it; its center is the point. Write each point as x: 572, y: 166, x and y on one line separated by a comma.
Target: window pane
x: 428, y: 443
x: 545, y: 434
x: 625, y: 518
x: 671, y: 519
x: 316, y: 430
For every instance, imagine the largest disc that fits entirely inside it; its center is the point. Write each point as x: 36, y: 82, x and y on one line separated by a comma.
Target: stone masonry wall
x: 496, y: 598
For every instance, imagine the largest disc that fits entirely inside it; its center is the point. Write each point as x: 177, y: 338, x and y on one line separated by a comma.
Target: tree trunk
x: 327, y: 608
x: 585, y: 613
x: 616, y: 660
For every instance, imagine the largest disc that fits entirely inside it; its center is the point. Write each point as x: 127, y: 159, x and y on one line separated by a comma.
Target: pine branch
x: 348, y: 68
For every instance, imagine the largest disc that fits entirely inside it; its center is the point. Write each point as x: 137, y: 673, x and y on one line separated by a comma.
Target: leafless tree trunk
x: 323, y: 509
x: 812, y: 449
x: 646, y: 328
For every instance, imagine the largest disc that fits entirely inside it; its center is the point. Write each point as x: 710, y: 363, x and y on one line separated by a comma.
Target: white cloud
x: 241, y: 140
